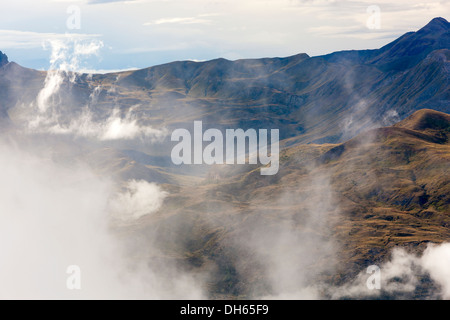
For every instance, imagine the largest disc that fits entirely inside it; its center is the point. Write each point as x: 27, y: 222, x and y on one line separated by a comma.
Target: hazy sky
x: 141, y: 33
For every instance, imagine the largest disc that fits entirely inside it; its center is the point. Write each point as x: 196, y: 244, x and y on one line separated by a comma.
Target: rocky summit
x: 3, y: 59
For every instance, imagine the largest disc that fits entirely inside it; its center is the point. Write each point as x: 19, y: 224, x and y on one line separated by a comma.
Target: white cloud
x: 402, y: 273
x: 199, y: 19
x: 16, y: 39
x: 49, y: 115
x: 436, y: 260
x: 246, y: 28
x: 352, y: 31
x: 54, y: 215
x: 140, y: 198
x: 105, y: 71
x: 115, y: 127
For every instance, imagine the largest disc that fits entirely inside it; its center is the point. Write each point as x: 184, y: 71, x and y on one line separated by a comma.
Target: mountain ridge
x: 322, y: 99
x: 3, y: 59
x: 363, y: 166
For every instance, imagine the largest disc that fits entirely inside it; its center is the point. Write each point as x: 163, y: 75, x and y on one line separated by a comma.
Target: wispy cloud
x: 28, y: 39
x: 257, y: 28
x: 106, y: 71
x: 199, y: 19
x: 140, y: 198
x: 352, y: 31
x: 107, y: 1
x: 46, y: 116
x: 402, y: 274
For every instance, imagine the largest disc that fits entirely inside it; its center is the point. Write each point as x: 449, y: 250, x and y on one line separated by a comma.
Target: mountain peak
x: 426, y: 119
x: 437, y: 24
x: 412, y: 47
x: 3, y: 59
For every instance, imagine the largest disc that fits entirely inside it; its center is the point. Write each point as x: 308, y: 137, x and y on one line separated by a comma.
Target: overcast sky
x: 142, y: 33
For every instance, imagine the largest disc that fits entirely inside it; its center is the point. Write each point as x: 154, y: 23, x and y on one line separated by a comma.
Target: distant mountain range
x: 384, y: 188
x: 320, y: 99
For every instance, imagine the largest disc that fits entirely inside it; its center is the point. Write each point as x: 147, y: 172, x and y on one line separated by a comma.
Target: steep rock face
x: 3, y: 59
x: 328, y: 98
x: 322, y: 99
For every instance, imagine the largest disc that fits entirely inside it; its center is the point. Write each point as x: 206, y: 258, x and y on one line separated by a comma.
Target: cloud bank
x: 48, y: 114
x: 53, y: 216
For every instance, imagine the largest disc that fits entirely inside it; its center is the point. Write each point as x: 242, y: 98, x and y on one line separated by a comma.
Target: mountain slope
x: 320, y: 99
x: 349, y: 203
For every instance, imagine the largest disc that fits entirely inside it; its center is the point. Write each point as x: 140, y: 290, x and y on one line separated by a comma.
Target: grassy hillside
x: 349, y: 203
